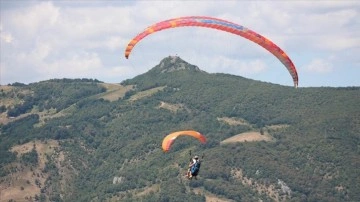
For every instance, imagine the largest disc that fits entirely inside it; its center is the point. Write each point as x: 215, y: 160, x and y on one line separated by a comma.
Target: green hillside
x: 75, y: 140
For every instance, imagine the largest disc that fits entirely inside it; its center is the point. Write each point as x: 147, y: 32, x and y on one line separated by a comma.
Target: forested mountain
x: 85, y: 140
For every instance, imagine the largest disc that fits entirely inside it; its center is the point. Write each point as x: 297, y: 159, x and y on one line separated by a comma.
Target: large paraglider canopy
x: 223, y: 25
x: 169, y: 139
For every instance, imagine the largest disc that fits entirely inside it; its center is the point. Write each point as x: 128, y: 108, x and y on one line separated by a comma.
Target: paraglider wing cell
x: 169, y: 139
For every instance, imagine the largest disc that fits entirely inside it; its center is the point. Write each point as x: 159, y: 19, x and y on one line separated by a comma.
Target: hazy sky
x: 42, y: 40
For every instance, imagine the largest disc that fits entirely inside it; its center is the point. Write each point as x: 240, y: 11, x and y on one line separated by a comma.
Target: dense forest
x: 85, y: 140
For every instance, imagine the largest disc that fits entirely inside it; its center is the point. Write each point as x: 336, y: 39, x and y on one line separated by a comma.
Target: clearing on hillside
x: 271, y: 190
x: 114, y: 91
x: 248, y: 137
x: 146, y: 93
x: 24, y: 182
x: 209, y: 197
x: 171, y: 107
x: 232, y: 121
x: 277, y: 127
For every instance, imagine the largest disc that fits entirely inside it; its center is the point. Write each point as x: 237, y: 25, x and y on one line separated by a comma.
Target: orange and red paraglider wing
x: 222, y: 25
x: 169, y: 139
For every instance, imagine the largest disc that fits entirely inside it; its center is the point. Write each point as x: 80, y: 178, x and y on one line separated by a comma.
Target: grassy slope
x: 315, y: 152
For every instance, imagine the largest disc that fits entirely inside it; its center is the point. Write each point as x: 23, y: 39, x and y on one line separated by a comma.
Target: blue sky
x: 42, y: 40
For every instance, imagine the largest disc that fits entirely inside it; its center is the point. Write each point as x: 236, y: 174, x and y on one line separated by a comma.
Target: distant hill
x: 85, y: 140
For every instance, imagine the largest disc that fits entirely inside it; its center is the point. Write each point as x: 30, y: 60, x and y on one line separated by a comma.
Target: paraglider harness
x: 195, y: 168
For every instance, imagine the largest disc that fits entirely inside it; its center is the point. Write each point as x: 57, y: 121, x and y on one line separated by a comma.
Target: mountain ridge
x: 107, y: 148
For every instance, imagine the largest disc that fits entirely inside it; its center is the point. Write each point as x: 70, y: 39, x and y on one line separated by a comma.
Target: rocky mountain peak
x: 174, y: 63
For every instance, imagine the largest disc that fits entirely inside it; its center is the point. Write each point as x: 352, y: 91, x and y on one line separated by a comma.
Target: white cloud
x: 81, y: 38
x: 223, y: 64
x: 76, y: 64
x: 6, y: 37
x: 32, y: 20
x: 327, y: 29
x: 318, y: 66
x: 114, y: 42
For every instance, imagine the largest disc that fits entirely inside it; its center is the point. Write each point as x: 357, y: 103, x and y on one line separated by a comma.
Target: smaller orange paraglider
x: 169, y: 139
